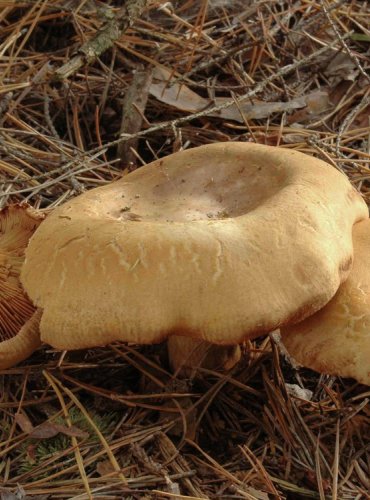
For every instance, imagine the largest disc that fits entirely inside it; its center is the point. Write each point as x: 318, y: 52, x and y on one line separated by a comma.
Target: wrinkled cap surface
x: 17, y: 224
x: 336, y: 340
x: 222, y: 242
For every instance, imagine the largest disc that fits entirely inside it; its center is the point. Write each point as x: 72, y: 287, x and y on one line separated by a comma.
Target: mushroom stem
x: 18, y: 348
x: 187, y: 354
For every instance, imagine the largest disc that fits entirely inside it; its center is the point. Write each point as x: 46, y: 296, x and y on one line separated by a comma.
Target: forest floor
x: 90, y: 90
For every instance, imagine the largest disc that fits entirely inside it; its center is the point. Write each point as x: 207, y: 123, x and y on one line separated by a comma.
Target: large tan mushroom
x: 336, y: 340
x: 222, y: 242
x: 19, y: 335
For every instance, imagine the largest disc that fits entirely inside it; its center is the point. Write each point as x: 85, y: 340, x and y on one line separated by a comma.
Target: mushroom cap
x: 336, y: 340
x: 17, y: 224
x: 222, y: 242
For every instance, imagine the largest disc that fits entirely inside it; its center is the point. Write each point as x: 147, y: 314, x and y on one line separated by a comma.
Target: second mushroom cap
x: 336, y: 340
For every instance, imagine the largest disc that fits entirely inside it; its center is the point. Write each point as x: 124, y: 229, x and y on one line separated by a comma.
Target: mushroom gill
x: 17, y: 224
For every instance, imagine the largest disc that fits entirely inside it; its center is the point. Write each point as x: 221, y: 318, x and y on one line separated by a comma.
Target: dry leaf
x: 257, y: 110
x: 24, y: 422
x: 31, y: 453
x: 298, y: 392
x: 181, y: 97
x: 71, y: 431
x: 191, y: 420
x: 294, y: 138
x: 104, y: 468
x: 48, y: 429
x: 316, y: 103
x: 177, y: 95
x: 19, y: 494
x: 361, y: 119
x: 341, y: 67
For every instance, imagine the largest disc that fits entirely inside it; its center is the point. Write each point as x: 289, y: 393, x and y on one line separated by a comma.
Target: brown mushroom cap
x: 222, y: 242
x: 336, y: 340
x: 17, y: 224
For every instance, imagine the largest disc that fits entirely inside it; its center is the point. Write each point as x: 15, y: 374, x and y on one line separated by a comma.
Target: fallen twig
x: 104, y: 38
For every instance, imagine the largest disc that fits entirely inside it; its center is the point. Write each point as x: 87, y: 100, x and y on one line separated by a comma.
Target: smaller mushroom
x: 186, y: 355
x: 19, y: 335
x: 336, y: 340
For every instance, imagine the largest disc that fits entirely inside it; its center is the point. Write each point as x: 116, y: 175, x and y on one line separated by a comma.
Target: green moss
x: 35, y: 452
